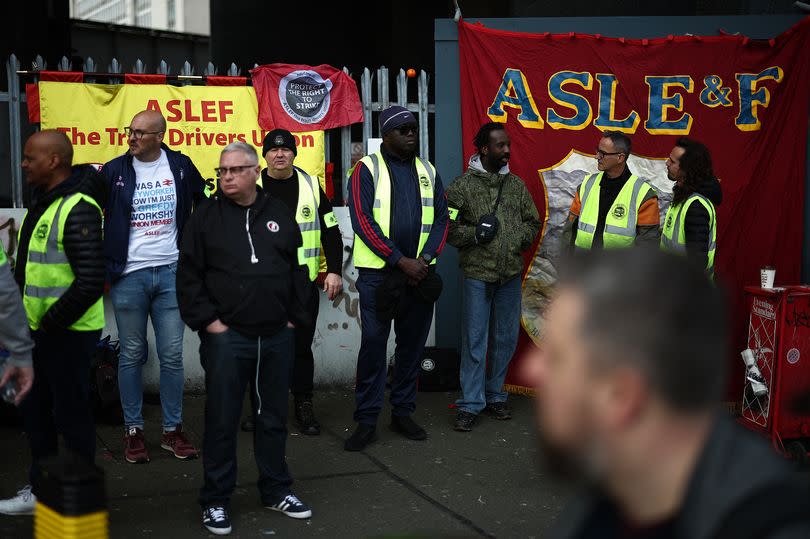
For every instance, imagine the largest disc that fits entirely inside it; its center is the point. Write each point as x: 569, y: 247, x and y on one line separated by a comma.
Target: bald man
x: 152, y: 191
x: 60, y: 270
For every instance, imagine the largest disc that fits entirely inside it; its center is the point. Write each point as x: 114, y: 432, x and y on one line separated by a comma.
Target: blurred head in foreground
x: 635, y: 341
x: 628, y: 380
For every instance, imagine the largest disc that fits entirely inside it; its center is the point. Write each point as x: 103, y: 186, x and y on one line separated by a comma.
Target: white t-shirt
x: 153, y: 225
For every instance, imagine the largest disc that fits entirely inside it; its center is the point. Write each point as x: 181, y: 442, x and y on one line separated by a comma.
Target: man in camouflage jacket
x: 493, y: 220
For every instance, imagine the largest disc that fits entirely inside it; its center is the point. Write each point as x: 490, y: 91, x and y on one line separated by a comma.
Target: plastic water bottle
x: 8, y: 392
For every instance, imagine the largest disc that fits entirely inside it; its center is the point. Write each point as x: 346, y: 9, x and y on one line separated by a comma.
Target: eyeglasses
x: 137, y: 133
x: 222, y: 171
x: 600, y: 153
x: 407, y: 129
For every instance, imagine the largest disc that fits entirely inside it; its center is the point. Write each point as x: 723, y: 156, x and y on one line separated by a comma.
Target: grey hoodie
x: 14, y: 334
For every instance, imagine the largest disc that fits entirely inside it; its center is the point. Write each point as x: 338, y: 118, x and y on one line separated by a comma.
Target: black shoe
x: 216, y: 521
x: 464, y: 421
x: 363, y: 435
x: 249, y: 424
x: 305, y: 417
x: 499, y: 410
x: 407, y: 427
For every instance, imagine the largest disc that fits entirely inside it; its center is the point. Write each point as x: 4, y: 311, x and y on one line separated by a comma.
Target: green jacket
x: 473, y: 194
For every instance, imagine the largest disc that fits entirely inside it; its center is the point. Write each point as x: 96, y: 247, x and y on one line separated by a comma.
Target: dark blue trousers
x: 233, y: 361
x: 411, y: 326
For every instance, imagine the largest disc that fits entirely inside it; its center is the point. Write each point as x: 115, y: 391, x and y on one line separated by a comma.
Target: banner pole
x: 806, y: 241
x: 424, y: 143
x: 15, y: 132
x: 365, y: 86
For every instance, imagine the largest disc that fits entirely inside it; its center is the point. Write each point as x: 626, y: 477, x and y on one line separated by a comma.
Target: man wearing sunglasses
x: 399, y: 216
x: 614, y: 208
x: 152, y: 190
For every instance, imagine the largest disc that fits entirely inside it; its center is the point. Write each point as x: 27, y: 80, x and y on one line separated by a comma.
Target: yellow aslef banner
x: 201, y: 121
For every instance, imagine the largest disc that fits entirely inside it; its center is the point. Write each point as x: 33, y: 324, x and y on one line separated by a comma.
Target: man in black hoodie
x: 60, y: 270
x: 690, y: 226
x: 241, y: 285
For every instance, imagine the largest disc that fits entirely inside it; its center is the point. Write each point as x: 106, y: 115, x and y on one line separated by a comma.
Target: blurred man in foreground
x: 628, y: 402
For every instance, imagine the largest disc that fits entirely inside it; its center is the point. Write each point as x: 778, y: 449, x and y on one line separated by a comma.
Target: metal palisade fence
x: 373, y: 102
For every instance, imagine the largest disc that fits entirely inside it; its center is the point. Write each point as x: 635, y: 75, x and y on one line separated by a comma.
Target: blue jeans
x: 490, y: 323
x: 149, y: 292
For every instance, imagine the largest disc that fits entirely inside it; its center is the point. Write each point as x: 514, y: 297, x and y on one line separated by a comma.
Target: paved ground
x: 483, y: 484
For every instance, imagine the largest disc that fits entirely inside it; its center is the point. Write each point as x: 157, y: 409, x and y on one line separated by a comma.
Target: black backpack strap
x: 768, y: 509
x: 500, y: 190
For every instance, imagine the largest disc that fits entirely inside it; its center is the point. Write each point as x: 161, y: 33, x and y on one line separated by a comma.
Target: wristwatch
x: 426, y: 257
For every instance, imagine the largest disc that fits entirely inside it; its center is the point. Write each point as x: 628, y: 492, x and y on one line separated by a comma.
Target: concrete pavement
x: 481, y: 484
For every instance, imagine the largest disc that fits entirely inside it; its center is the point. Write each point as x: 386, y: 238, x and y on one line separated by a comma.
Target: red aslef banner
x: 746, y: 99
x: 305, y: 98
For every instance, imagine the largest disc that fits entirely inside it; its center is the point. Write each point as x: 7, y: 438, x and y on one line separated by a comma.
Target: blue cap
x: 395, y: 116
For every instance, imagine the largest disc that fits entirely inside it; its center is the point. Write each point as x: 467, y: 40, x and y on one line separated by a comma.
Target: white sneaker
x: 21, y: 504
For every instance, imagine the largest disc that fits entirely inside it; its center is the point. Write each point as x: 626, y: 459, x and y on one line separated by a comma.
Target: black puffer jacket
x: 82, y: 240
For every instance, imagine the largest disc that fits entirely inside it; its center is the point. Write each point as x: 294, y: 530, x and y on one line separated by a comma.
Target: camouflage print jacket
x: 473, y: 195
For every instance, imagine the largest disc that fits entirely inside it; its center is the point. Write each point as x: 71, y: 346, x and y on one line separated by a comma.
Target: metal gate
x: 373, y: 102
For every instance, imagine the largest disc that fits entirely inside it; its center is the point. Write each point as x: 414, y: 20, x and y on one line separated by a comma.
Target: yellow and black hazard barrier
x: 71, y: 500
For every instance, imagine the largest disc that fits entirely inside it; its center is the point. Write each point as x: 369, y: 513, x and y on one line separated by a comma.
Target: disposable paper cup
x: 748, y: 357
x: 767, y: 275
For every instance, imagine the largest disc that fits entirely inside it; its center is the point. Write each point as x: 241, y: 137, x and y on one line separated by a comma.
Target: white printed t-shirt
x: 153, y: 224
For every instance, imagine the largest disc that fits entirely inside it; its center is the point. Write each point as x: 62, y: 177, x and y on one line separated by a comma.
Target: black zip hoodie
x: 240, y: 265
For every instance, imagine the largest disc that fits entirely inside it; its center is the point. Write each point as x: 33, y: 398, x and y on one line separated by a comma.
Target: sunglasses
x: 407, y: 129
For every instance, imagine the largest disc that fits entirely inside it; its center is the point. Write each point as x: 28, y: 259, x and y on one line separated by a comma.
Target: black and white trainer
x: 216, y: 521
x: 291, y: 506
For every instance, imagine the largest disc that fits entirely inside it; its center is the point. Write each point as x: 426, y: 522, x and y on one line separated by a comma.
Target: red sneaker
x: 135, y: 446
x: 178, y: 444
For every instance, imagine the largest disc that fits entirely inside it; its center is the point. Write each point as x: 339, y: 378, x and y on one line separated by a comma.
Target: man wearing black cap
x: 399, y: 215
x: 312, y: 210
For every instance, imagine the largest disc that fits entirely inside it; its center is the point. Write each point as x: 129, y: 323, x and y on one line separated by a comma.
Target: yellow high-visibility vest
x: 364, y: 257
x: 309, y: 223
x: 621, y: 219
x: 48, y: 274
x: 673, y: 236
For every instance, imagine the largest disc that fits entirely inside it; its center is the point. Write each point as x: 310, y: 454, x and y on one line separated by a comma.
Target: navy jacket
x: 406, y: 212
x: 120, y: 176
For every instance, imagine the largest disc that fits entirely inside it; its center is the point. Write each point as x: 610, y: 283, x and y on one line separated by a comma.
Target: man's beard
x: 582, y: 465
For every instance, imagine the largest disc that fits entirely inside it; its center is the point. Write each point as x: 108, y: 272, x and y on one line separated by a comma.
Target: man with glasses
x: 243, y: 287
x: 399, y: 216
x: 614, y: 208
x: 152, y: 190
